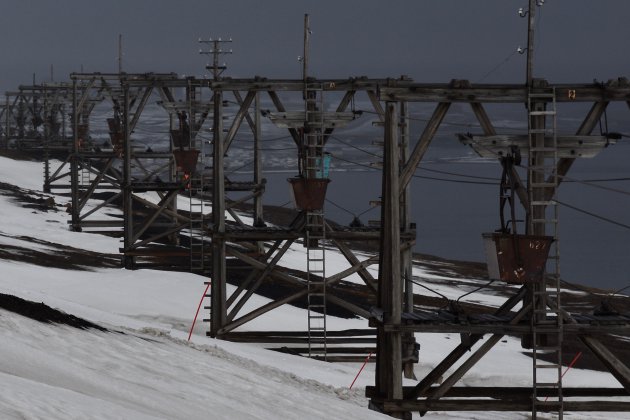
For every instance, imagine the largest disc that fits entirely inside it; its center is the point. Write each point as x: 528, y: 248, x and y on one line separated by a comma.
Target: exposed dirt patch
x: 58, y: 256
x: 44, y: 313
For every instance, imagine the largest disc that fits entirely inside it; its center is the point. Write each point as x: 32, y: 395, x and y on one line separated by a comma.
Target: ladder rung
x: 546, y: 112
x: 544, y: 184
x: 547, y: 366
x: 549, y: 403
x: 542, y: 203
x: 548, y: 349
x: 542, y: 95
x: 547, y: 384
x: 540, y: 130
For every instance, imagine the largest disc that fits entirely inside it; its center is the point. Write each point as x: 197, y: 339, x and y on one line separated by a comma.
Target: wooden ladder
x: 546, y: 322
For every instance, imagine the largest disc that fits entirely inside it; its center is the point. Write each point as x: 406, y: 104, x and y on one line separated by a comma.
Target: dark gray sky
x: 429, y: 40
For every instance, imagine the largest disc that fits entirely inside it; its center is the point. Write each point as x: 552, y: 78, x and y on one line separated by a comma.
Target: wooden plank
x: 499, y: 405
x: 498, y: 93
x: 457, y: 353
x: 297, y: 119
x: 572, y: 147
x: 501, y: 392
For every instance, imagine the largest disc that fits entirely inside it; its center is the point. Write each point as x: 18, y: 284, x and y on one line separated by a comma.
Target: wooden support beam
x: 252, y: 275
x: 101, y: 205
x: 484, y: 120
x: 260, y: 311
x: 586, y: 128
x: 140, y: 107
x: 432, y: 377
x: 263, y: 275
x: 423, y: 143
x: 251, y: 122
x: 335, y: 300
x: 278, y: 104
x: 390, y: 296
x: 501, y: 405
x: 166, y: 211
x: 615, y: 366
x: 472, y: 360
x: 501, y: 93
x: 94, y: 184
x: 238, y: 119
x: 377, y: 105
x: 162, y: 234
x: 279, y: 302
x: 365, y: 275
x: 160, y: 209
x: 343, y: 105
x: 260, y: 265
x: 501, y: 392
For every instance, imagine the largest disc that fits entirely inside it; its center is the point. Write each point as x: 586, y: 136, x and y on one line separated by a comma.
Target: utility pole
x: 530, y: 40
x: 120, y: 53
x: 215, y: 51
x: 307, y: 32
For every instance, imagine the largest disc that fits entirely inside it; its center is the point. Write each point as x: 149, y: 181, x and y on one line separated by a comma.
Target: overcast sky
x: 431, y: 41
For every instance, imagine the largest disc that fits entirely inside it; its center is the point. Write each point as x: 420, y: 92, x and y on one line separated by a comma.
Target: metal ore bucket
x: 179, y: 140
x: 309, y: 194
x: 186, y: 160
x: 517, y: 258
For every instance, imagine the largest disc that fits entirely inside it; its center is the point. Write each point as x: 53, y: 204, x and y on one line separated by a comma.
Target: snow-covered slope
x: 143, y: 367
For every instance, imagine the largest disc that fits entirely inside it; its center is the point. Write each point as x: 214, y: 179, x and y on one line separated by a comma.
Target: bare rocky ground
x: 465, y: 275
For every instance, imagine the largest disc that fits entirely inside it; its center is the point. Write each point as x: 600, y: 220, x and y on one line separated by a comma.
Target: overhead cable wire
x: 419, y: 176
x: 348, y: 211
x: 476, y: 290
x: 427, y: 288
x: 495, y: 68
x: 597, y: 216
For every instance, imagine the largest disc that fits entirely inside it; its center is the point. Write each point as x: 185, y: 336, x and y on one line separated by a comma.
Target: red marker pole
x: 197, y: 313
x: 573, y: 362
x: 361, y: 370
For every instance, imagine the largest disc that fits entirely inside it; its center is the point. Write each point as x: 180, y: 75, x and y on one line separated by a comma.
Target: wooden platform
x: 442, y: 321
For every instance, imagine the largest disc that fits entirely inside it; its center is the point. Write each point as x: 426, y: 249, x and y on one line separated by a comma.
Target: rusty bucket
x: 113, y: 127
x: 186, y: 160
x: 82, y: 131
x: 309, y: 194
x: 179, y: 140
x: 117, y: 139
x: 516, y: 258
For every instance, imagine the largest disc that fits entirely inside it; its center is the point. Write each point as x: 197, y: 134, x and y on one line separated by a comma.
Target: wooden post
x: 127, y: 193
x: 219, y: 311
x: 406, y: 263
x: 390, y: 297
x: 74, y: 162
x: 258, y: 179
x: 530, y: 42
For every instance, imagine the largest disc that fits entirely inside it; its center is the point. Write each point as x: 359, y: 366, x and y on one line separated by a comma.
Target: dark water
x: 451, y: 216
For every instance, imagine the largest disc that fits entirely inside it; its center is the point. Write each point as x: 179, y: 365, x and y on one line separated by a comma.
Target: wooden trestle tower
x: 156, y: 233
x: 151, y: 233
x: 541, y: 321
